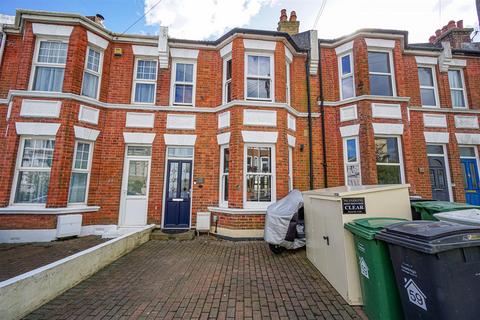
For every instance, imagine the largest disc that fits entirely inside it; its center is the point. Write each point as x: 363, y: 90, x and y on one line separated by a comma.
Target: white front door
x: 135, y: 185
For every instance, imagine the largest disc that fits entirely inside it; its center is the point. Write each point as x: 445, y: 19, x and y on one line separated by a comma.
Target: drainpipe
x: 309, y: 108
x: 2, y: 46
x: 322, y: 118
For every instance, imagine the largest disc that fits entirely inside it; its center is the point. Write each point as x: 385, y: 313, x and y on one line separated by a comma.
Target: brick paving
x: 202, y: 279
x: 16, y: 259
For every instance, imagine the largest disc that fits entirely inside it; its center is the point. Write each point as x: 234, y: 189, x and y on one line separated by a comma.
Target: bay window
x: 428, y: 90
x: 144, y: 82
x: 184, y: 83
x: 49, y: 65
x: 351, y: 156
x: 80, y: 172
x: 389, y: 160
x: 259, y: 175
x: 259, y: 77
x: 347, y: 84
x: 92, y: 73
x: 227, y: 80
x: 380, y: 68
x: 457, y: 88
x: 224, y: 168
x: 33, y: 170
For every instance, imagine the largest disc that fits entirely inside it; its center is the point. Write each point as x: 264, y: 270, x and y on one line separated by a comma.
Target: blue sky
x: 208, y: 19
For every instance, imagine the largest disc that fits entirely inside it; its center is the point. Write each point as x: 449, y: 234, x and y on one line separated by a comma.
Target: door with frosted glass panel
x: 178, y: 198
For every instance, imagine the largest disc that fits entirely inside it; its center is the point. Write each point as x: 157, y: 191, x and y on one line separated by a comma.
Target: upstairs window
x: 457, y: 88
x: 80, y: 172
x: 33, y: 170
x: 145, y: 80
x: 183, y: 85
x: 259, y: 77
x: 347, y: 86
x: 49, y: 65
x: 380, y: 73
x: 92, y: 73
x: 426, y: 77
x: 227, y: 80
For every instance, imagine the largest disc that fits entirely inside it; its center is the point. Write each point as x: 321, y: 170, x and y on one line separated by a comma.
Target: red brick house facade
x: 128, y: 130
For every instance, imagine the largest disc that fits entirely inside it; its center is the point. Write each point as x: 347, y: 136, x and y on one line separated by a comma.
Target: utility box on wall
x: 330, y: 247
x: 69, y: 225
x: 203, y: 221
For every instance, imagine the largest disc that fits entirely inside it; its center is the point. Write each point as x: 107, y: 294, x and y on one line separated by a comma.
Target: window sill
x: 237, y: 210
x: 24, y: 209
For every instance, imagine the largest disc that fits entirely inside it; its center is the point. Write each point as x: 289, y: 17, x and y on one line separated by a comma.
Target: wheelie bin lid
x: 431, y: 236
x: 368, y: 227
x: 441, y: 206
x: 470, y: 216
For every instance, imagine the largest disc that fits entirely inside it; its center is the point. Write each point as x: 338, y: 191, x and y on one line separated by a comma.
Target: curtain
x: 48, y: 79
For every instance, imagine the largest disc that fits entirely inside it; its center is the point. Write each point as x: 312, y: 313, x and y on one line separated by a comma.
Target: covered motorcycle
x: 284, y: 223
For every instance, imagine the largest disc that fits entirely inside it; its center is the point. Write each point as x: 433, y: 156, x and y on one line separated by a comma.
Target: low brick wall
x: 22, y: 294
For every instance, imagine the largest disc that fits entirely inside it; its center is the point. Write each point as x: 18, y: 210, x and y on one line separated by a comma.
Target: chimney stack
x: 291, y: 25
x: 98, y: 18
x: 454, y: 33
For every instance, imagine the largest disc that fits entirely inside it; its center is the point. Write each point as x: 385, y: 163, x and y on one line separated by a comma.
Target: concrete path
x: 202, y: 279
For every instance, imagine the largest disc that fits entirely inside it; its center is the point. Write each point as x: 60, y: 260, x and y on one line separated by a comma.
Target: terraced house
x: 111, y: 131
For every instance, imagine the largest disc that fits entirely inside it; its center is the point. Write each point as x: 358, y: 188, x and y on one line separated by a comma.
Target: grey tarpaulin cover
x: 278, y: 219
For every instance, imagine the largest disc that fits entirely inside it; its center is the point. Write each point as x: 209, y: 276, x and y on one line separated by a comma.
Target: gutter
x: 322, y: 118
x: 309, y: 115
x: 2, y: 46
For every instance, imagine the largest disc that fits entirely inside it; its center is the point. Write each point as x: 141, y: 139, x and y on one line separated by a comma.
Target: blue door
x: 470, y: 175
x: 178, y: 198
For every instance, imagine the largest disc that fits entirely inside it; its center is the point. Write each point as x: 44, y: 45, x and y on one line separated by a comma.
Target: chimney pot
x: 438, y: 32
x: 293, y: 16
x: 432, y: 39
x: 444, y: 29
x: 283, y: 15
x: 451, y: 24
x: 460, y: 24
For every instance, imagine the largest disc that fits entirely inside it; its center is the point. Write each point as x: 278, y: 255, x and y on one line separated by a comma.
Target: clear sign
x: 353, y: 206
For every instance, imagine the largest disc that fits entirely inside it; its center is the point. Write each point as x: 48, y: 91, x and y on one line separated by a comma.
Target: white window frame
x: 464, y: 89
x: 290, y: 168
x: 391, y: 74
x: 222, y: 202
x: 345, y: 157
x: 87, y: 171
x: 271, y: 78
x: 225, y: 82
x: 273, y: 196
x: 174, y: 82
x: 341, y: 76
x: 288, y: 96
x: 36, y: 64
x: 98, y: 74
x: 435, y: 85
x: 146, y: 81
x: 18, y: 168
x: 400, y: 156
x: 447, y: 166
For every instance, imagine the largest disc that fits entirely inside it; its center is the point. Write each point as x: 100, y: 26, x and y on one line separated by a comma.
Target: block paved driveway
x: 202, y: 279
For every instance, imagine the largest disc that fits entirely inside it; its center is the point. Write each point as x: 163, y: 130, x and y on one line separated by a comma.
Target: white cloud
x: 201, y: 19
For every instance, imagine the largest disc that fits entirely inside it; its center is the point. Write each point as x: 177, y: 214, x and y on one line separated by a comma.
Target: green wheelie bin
x: 428, y: 208
x: 379, y: 290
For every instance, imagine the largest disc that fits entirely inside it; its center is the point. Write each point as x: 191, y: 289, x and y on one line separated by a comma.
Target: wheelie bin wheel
x: 276, y: 248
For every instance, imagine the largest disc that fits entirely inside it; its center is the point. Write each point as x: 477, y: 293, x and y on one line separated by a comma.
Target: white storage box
x: 330, y: 246
x: 69, y: 225
x: 469, y: 216
x: 203, y: 221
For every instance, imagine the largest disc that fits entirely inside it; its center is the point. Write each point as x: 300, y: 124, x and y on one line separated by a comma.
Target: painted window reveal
x: 145, y: 79
x: 352, y: 162
x: 287, y: 82
x: 426, y: 77
x: 92, y: 73
x: 346, y: 76
x: 457, y: 88
x: 380, y: 73
x: 80, y: 172
x: 183, y: 86
x: 49, y: 65
x: 33, y: 175
x: 259, y: 174
x: 389, y: 166
x: 225, y: 160
x: 290, y: 168
x: 227, y: 85
x: 259, y: 77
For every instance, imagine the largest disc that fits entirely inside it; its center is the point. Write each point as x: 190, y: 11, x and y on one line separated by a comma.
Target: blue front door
x: 470, y: 175
x: 178, y: 198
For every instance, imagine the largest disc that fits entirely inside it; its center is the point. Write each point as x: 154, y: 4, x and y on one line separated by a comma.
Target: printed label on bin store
x: 364, y: 268
x: 353, y: 206
x: 415, y: 295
